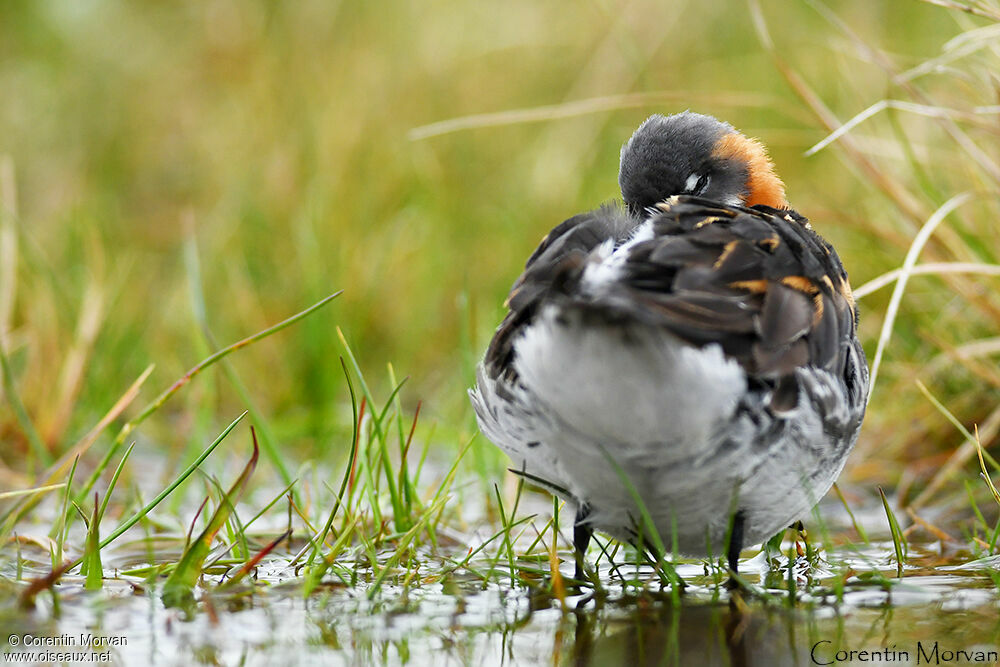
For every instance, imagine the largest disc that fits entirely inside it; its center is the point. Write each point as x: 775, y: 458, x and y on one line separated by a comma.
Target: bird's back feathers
x: 758, y: 282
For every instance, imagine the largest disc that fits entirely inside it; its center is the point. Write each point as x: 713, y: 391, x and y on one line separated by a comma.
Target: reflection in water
x: 687, y: 634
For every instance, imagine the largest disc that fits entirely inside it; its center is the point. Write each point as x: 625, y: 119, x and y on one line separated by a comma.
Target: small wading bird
x: 688, y: 364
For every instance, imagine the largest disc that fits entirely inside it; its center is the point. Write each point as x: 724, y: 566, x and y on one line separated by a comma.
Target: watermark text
x: 825, y: 652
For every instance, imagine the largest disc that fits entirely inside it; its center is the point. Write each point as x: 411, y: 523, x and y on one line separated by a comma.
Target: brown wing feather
x: 757, y: 281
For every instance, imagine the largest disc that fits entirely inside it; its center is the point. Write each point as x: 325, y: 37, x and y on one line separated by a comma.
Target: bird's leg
x: 800, y: 533
x: 735, y: 543
x: 581, y: 538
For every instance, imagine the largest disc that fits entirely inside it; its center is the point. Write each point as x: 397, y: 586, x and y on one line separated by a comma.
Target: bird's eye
x: 696, y: 183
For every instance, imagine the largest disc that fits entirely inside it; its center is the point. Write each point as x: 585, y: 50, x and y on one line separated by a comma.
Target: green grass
x: 249, y: 159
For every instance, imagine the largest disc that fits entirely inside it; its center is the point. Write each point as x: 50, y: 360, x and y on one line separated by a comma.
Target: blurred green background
x: 278, y: 137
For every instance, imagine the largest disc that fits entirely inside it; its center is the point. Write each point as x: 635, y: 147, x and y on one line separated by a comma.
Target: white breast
x: 636, y: 386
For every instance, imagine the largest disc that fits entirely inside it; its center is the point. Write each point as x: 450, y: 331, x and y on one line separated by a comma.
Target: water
x: 939, y: 608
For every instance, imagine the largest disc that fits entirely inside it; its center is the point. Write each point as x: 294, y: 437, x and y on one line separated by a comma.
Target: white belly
x: 617, y: 412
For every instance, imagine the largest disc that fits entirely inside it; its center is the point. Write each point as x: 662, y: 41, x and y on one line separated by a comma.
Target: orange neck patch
x: 763, y: 184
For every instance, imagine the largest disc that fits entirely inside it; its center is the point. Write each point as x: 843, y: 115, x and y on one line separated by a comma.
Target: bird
x: 682, y: 368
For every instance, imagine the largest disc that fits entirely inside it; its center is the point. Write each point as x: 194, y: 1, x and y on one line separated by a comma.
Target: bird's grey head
x: 693, y: 154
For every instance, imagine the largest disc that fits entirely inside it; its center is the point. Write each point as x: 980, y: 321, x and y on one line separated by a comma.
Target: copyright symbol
x: 13, y: 640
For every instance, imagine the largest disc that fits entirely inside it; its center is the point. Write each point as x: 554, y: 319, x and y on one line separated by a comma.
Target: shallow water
x: 936, y: 610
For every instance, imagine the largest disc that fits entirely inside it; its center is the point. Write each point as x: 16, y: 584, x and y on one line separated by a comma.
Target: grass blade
x: 61, y: 527
x: 580, y: 107
x: 898, y: 539
x: 253, y: 562
x: 71, y: 377
x: 908, y: 263
x: 857, y: 526
x: 348, y: 472
x: 92, y: 553
x: 930, y: 268
x: 6, y: 495
x: 180, y: 584
x: 114, y: 479
x: 982, y: 468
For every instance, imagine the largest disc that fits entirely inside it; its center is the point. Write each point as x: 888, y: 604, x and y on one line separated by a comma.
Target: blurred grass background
x: 279, y: 138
